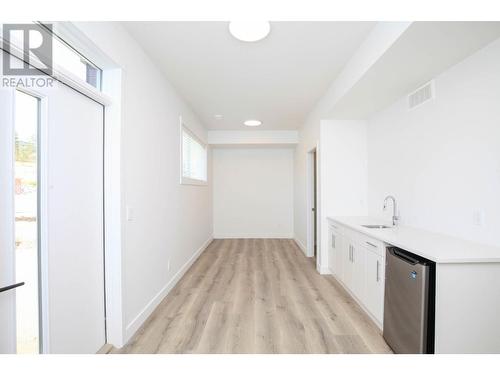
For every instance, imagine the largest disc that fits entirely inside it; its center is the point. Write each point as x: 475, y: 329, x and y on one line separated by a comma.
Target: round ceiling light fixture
x: 249, y: 31
x: 253, y: 123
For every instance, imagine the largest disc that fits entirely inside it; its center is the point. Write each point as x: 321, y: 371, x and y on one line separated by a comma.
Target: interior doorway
x: 315, y: 203
x: 312, y: 205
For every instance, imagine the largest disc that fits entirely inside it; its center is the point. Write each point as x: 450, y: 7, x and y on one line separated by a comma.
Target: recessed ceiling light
x: 252, y: 123
x: 218, y: 117
x: 249, y: 31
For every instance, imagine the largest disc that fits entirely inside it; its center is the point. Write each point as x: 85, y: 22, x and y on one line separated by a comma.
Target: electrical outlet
x: 478, y: 217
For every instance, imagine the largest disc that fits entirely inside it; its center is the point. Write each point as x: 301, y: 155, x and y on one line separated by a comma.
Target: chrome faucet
x: 395, y: 217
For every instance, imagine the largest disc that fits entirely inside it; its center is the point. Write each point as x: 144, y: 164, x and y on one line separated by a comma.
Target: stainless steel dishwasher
x: 409, y: 302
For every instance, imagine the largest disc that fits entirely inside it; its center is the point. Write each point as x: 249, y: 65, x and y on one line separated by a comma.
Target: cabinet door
x: 335, y: 241
x: 331, y: 250
x: 339, y: 262
x: 347, y: 265
x: 375, y: 269
x: 358, y: 273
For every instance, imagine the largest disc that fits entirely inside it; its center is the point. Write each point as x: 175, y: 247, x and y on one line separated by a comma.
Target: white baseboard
x: 325, y: 271
x: 259, y: 235
x: 136, y: 323
x: 301, y: 245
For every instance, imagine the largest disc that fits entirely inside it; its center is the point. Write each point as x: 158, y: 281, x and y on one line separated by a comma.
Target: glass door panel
x: 26, y: 199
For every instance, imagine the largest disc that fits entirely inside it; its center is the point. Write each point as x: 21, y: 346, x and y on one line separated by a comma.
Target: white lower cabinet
x: 374, y: 292
x: 334, y: 251
x: 358, y: 275
x: 354, y: 267
x: 347, y: 265
x: 358, y: 261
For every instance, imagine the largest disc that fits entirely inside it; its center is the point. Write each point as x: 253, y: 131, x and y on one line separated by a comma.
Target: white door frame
x: 7, y: 240
x: 110, y: 97
x: 44, y: 296
x: 42, y: 160
x: 309, y: 205
x: 42, y: 207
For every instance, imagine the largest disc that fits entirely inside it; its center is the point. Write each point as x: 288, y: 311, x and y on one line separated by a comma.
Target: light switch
x: 478, y: 218
x: 130, y: 213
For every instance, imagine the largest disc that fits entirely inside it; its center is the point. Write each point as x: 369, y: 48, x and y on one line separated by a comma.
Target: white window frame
x: 187, y: 180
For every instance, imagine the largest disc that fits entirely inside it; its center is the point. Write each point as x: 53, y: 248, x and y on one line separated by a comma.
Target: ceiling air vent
x: 421, y: 95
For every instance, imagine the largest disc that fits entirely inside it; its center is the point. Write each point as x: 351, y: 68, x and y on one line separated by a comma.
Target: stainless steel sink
x: 376, y: 226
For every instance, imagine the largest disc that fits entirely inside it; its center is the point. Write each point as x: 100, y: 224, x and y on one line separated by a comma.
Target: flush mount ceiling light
x: 249, y: 31
x: 252, y: 123
x: 218, y: 117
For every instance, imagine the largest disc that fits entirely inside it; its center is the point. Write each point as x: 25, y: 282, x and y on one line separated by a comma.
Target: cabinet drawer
x: 336, y: 228
x: 352, y: 235
x: 378, y: 247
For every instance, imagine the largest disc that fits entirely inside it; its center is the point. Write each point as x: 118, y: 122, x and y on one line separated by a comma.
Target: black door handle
x: 5, y: 288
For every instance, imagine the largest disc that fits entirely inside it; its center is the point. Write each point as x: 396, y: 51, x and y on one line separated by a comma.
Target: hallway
x: 257, y: 296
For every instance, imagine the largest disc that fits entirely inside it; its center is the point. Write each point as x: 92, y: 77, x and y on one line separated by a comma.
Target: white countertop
x: 439, y: 248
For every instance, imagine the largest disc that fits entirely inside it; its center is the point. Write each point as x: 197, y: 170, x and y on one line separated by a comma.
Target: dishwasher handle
x: 404, y: 256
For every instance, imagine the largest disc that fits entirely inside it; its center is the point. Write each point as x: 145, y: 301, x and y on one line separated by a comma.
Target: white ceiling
x: 425, y: 50
x: 277, y: 80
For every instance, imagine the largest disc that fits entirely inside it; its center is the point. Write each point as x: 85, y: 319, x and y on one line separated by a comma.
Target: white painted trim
x: 62, y: 75
x: 325, y: 270
x: 322, y: 252
x: 7, y: 214
x: 301, y: 245
x: 43, y: 260
x: 183, y: 128
x: 309, y: 203
x: 136, y: 323
x: 309, y: 223
x: 113, y: 265
x: 73, y: 36
x: 250, y: 236
x: 43, y: 235
x: 192, y: 181
x: 253, y: 137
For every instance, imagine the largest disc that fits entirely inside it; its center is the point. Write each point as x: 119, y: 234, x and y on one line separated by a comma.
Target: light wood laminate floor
x: 256, y: 296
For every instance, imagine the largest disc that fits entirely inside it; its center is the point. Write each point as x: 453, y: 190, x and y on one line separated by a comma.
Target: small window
x: 68, y: 58
x: 194, y: 159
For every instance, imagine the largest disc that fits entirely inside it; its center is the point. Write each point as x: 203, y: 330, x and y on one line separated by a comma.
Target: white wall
x: 308, y: 140
x: 442, y: 160
x: 343, y: 177
x: 380, y: 39
x: 253, y: 192
x: 171, y: 222
x: 253, y: 137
